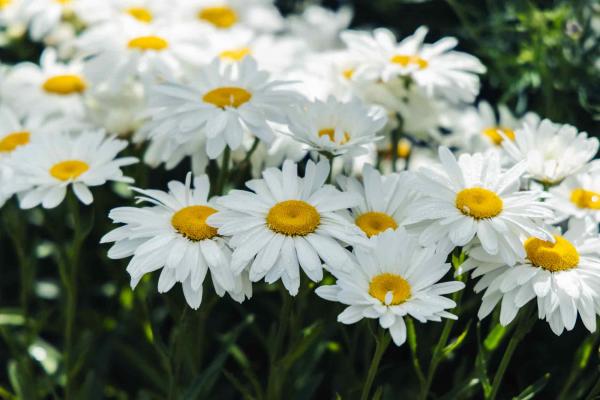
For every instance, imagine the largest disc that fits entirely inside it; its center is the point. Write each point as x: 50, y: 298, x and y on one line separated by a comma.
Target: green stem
x: 274, y: 383
x: 382, y: 341
x: 251, y: 151
x: 224, y: 172
x: 524, y: 325
x: 412, y: 340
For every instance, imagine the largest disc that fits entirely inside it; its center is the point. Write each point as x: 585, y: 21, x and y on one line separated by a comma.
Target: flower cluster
x: 366, y: 159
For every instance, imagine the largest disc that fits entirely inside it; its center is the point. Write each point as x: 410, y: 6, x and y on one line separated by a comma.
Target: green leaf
x: 10, y: 316
x: 457, y: 342
x: 533, y: 389
x: 201, y: 386
x: 462, y: 390
x: 494, y: 338
x: 20, y: 380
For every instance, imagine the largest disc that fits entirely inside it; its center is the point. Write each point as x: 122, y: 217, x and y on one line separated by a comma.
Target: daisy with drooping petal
x: 577, y: 196
x: 473, y: 198
x: 385, y: 200
x: 552, y: 151
x: 43, y: 170
x: 221, y: 104
x: 51, y: 87
x: 128, y: 50
x: 173, y: 235
x: 395, y: 279
x: 288, y: 222
x: 435, y: 67
x: 335, y: 127
x: 563, y: 276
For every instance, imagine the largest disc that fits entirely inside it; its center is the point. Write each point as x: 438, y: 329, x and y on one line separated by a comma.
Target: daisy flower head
x: 552, y: 151
x: 140, y: 11
x: 51, y: 87
x: 44, y: 17
x: 384, y: 200
x: 336, y: 127
x: 435, y: 67
x: 577, y: 196
x: 474, y: 198
x: 222, y: 104
x: 172, y: 235
x: 480, y: 128
x: 43, y: 170
x: 126, y: 50
x: 562, y: 275
x: 395, y: 279
x: 259, y: 15
x: 286, y: 222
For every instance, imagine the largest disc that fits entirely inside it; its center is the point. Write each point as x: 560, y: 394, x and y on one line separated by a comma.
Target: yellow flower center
x: 64, y: 85
x: 586, y: 199
x: 140, y: 13
x: 4, y: 3
x: 190, y: 222
x: 404, y: 148
x: 146, y: 43
x: 348, y: 73
x: 69, y: 169
x: 235, y: 54
x: 373, y: 223
x: 406, y: 60
x: 293, y: 218
x: 330, y: 132
x: 479, y: 203
x: 390, y: 289
x: 493, y: 134
x: 63, y: 2
x: 221, y: 17
x: 13, y: 140
x: 227, y: 97
x: 554, y: 257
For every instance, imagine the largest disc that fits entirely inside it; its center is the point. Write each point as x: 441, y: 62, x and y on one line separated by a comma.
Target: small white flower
x: 436, y: 67
x: 335, y: 127
x: 563, y: 276
x: 288, y: 222
x: 395, y: 279
x: 173, y: 235
x: 127, y: 50
x: 385, y: 200
x: 51, y: 87
x: 218, y: 106
x: 475, y: 198
x: 320, y: 27
x: 43, y: 170
x: 552, y: 151
x: 577, y: 196
x: 259, y: 15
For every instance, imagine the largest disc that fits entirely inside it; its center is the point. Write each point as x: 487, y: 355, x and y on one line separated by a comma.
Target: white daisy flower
x: 11, y: 15
x: 141, y: 11
x: 384, y: 200
x: 552, y: 151
x: 320, y: 27
x: 562, y: 275
x: 335, y: 127
x: 127, y: 50
x: 288, y: 222
x: 260, y: 15
x: 275, y: 54
x: 475, y: 198
x: 435, y: 67
x: 14, y: 133
x: 173, y: 235
x: 51, y: 87
x: 44, y: 169
x: 44, y: 17
x: 395, y: 279
x: 577, y: 196
x: 220, y: 105
x: 479, y: 128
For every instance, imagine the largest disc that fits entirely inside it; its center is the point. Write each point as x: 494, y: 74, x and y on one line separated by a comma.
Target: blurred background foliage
x: 542, y: 56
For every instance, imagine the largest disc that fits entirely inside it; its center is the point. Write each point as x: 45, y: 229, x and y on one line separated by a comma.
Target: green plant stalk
x: 382, y: 341
x: 524, y: 325
x: 412, y: 338
x: 68, y: 266
x: 274, y: 383
x: 224, y: 171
